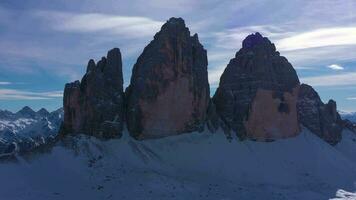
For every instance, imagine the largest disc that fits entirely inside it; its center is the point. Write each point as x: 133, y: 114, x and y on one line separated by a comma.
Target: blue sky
x: 44, y: 44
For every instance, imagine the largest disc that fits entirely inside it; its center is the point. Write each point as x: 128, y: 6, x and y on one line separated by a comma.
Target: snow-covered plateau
x: 188, y: 166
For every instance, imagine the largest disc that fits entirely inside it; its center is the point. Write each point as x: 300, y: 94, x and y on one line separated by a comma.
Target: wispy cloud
x: 286, y: 39
x: 11, y: 94
x: 5, y: 83
x: 232, y: 38
x: 335, y: 67
x: 331, y: 80
x: 126, y: 26
x: 351, y: 98
x: 319, y: 38
x: 300, y: 47
x: 214, y: 75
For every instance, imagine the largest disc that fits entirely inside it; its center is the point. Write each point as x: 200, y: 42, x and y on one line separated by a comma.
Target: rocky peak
x: 174, y: 21
x: 257, y: 92
x: 42, y: 112
x: 256, y: 43
x: 91, y: 65
x: 321, y: 119
x: 173, y: 25
x: 95, y: 105
x: 252, y: 40
x: 331, y: 108
x: 173, y: 29
x: 169, y: 89
x: 26, y: 109
x: 26, y: 112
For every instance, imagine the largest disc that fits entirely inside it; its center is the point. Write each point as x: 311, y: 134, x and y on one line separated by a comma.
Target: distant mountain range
x: 27, y: 129
x: 348, y: 115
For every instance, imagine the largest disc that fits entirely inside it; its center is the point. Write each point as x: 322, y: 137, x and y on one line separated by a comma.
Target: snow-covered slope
x: 26, y: 129
x: 189, y: 166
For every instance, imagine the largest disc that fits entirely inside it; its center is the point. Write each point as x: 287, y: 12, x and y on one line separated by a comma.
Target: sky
x: 45, y: 44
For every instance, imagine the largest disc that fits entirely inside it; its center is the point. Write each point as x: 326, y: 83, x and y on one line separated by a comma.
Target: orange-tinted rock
x: 258, y: 91
x: 169, y: 89
x: 267, y: 122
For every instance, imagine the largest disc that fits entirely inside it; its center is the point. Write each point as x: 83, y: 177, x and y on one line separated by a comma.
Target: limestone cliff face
x: 321, y: 119
x: 95, y: 105
x: 258, y: 91
x: 169, y: 89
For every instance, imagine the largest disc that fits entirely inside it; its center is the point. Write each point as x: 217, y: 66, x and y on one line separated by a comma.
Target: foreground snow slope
x: 190, y: 166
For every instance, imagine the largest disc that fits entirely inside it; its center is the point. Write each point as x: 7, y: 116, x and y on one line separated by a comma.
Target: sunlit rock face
x: 95, y: 106
x: 322, y: 119
x: 258, y: 91
x: 169, y: 89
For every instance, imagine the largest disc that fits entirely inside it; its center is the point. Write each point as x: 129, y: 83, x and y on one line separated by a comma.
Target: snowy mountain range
x: 27, y: 129
x: 348, y: 115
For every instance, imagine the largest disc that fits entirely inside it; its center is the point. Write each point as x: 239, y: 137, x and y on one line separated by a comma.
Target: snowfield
x: 189, y: 166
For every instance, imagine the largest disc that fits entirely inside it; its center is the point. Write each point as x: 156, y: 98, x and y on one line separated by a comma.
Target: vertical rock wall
x: 95, y: 106
x: 169, y: 89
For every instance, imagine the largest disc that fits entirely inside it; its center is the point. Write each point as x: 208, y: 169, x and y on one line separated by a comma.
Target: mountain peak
x: 26, y: 112
x: 176, y: 21
x: 42, y: 111
x: 25, y: 109
x: 173, y: 27
x: 257, y: 42
x: 252, y: 40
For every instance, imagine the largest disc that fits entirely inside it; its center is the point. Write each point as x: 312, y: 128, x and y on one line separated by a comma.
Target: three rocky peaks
x: 259, y: 96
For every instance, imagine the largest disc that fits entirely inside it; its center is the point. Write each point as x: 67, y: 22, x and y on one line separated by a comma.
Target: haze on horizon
x: 44, y: 45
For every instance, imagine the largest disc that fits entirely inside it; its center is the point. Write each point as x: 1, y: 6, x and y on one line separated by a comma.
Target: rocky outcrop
x: 169, y: 89
x: 258, y: 92
x: 321, y: 119
x: 95, y: 106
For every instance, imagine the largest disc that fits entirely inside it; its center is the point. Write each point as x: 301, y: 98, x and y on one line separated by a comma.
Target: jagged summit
x: 42, y: 112
x: 26, y: 112
x: 169, y: 89
x: 172, y: 28
x: 176, y: 21
x: 95, y: 105
x: 253, y: 40
x: 26, y: 109
x: 258, y: 44
x: 258, y: 91
x: 322, y: 119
